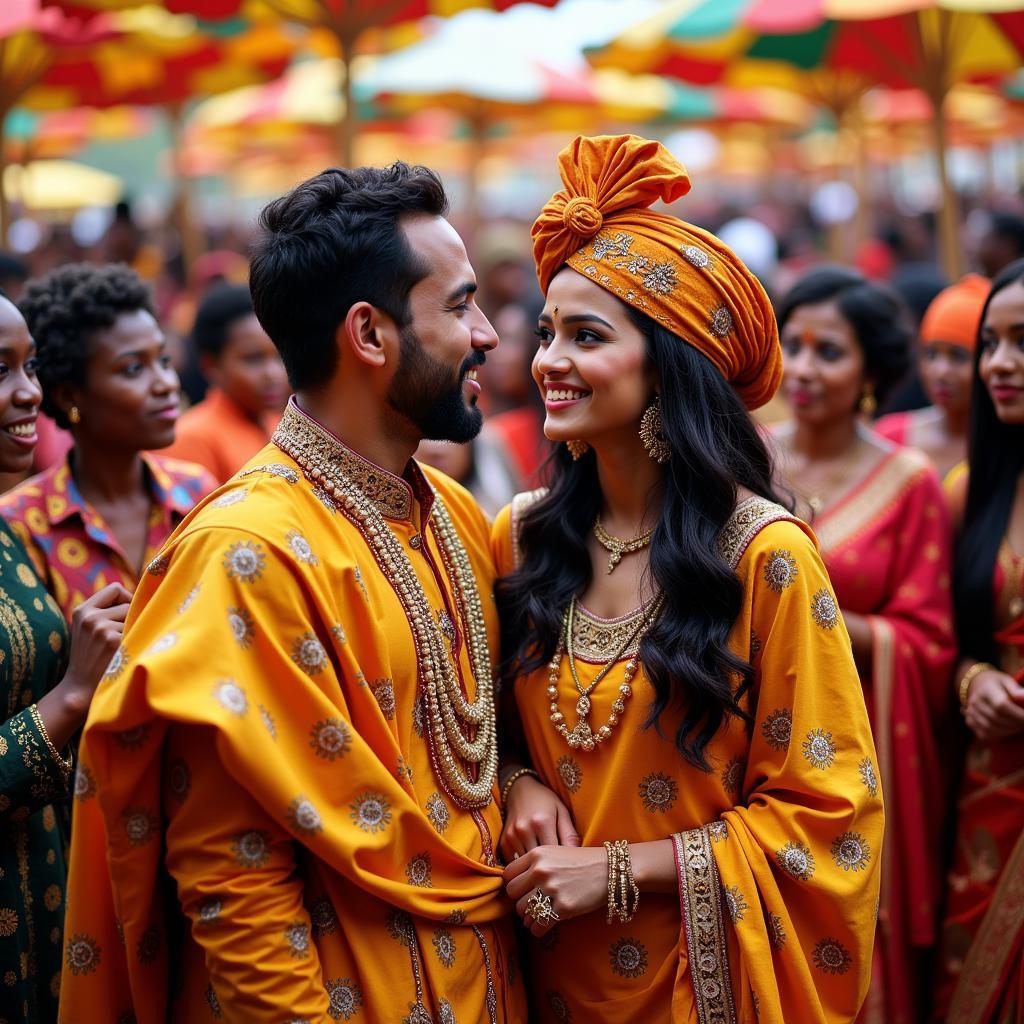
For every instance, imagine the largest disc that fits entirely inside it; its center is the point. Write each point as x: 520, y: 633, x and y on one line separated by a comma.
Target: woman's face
x: 823, y: 364
x: 130, y: 398
x: 591, y: 364
x: 20, y: 393
x: 946, y: 371
x: 1001, y: 363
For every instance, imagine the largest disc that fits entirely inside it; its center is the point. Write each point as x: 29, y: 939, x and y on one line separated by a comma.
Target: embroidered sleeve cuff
x: 701, y: 905
x: 63, y: 763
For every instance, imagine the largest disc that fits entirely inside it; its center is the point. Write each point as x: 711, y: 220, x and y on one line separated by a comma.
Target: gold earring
x: 651, y: 433
x: 577, y: 449
x: 74, y: 415
x: 867, y: 403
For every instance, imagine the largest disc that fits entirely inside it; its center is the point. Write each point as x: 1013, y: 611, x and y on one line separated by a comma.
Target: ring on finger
x: 540, y: 908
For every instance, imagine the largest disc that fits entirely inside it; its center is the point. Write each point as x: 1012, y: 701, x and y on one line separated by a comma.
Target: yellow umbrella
x: 52, y: 185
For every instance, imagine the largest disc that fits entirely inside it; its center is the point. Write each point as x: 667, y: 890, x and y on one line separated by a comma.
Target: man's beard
x: 423, y: 392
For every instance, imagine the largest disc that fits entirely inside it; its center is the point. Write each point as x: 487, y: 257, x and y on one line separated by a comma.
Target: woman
x: 982, y: 959
x: 104, y: 512
x: 45, y: 698
x: 248, y: 385
x: 947, y: 337
x: 695, y: 811
x: 880, y: 517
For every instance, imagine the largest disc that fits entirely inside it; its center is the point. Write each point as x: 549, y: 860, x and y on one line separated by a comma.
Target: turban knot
x: 602, y: 226
x: 582, y: 216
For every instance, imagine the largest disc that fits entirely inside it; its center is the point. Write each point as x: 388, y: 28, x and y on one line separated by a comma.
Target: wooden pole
x: 347, y: 123
x: 188, y: 232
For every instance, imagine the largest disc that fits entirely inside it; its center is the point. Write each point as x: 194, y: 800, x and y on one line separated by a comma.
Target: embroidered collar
x: 394, y: 496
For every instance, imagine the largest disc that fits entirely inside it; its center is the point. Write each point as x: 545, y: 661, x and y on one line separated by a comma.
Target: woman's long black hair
x: 996, y: 459
x: 715, y: 448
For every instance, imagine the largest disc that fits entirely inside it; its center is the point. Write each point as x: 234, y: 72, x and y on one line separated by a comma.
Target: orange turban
x: 955, y: 313
x: 602, y: 226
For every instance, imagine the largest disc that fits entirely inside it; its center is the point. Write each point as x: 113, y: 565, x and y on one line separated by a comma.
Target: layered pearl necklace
x: 452, y: 718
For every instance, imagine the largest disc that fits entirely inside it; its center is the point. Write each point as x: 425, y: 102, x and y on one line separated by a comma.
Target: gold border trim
x: 882, y: 676
x: 992, y: 944
x: 866, y: 504
x: 748, y: 519
x: 700, y: 892
x: 520, y: 503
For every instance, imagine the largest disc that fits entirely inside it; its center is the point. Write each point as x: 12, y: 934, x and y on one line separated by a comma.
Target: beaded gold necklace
x: 452, y: 718
x: 582, y: 736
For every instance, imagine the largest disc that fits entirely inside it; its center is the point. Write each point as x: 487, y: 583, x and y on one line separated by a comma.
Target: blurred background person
x: 103, y: 512
x: 882, y: 523
x: 515, y: 419
x: 981, y: 966
x: 1001, y: 243
x: 46, y: 697
x: 946, y: 342
x: 478, y: 465
x: 248, y: 386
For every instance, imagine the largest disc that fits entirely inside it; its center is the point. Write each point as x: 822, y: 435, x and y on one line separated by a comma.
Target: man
x: 248, y: 387
x: 298, y: 732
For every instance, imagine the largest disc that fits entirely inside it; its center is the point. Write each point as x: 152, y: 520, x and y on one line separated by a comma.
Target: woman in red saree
x: 880, y: 517
x: 981, y: 968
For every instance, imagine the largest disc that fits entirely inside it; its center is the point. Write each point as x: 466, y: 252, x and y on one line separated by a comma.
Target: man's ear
x: 364, y: 332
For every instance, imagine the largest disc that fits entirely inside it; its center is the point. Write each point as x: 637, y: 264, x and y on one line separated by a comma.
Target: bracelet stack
x: 964, y: 688
x: 623, y: 894
x: 511, y: 780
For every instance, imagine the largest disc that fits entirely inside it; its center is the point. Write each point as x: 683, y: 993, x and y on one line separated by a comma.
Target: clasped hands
x: 542, y: 850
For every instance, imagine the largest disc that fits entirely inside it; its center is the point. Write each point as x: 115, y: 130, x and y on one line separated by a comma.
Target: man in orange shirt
x: 248, y: 385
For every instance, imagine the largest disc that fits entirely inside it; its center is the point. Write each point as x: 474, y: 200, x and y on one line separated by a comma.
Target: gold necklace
x: 618, y: 547
x: 450, y: 714
x: 582, y: 736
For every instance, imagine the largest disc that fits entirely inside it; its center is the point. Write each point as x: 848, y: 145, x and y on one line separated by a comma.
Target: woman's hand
x: 995, y: 706
x: 574, y: 878
x: 534, y: 816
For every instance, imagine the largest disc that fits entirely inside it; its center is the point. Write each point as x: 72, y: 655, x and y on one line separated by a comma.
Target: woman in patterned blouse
x: 105, y: 511
x: 694, y: 827
x: 45, y: 699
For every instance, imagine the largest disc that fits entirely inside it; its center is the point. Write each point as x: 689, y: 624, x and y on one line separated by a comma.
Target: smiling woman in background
x: 101, y: 514
x: 881, y: 520
x: 45, y: 698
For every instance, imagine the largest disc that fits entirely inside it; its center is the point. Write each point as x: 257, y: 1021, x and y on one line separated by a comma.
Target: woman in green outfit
x: 46, y: 688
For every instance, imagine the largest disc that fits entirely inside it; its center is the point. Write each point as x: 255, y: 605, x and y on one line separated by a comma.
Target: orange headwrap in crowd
x: 955, y: 313
x: 601, y: 225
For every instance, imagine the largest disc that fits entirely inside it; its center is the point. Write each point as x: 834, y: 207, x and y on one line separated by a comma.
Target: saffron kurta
x: 262, y: 739
x: 888, y: 549
x: 777, y: 847
x: 981, y: 963
x: 34, y: 794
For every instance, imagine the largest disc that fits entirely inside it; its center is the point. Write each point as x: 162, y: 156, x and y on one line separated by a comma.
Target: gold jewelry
x: 964, y: 689
x: 623, y: 893
x: 618, y: 547
x: 652, y: 435
x: 582, y: 736
x: 451, y: 717
x: 540, y: 908
x: 577, y: 449
x: 868, y: 404
x: 74, y: 416
x: 511, y: 780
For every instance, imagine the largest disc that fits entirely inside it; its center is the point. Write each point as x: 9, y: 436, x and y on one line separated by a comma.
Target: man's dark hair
x: 220, y: 308
x: 64, y: 309
x: 12, y: 268
x: 333, y: 241
x: 1010, y: 228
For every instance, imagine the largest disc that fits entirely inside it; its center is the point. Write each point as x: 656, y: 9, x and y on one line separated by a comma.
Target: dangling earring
x: 651, y: 433
x: 74, y: 416
x: 577, y: 449
x: 867, y: 403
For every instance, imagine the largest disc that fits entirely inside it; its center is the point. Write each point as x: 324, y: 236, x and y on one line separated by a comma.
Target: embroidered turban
x: 954, y: 315
x: 685, y: 278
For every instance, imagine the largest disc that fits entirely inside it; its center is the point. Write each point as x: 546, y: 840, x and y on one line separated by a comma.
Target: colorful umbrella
x: 836, y: 49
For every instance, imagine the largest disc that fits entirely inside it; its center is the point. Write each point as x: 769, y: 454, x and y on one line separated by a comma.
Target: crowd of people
x: 616, y: 703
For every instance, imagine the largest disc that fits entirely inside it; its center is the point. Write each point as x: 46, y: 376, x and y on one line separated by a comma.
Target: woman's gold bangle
x: 511, y: 781
x: 965, y: 683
